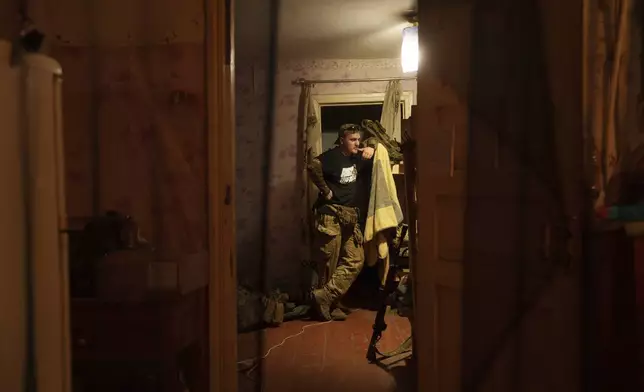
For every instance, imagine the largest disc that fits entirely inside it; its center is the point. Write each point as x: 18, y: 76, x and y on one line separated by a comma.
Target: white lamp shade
x: 409, y: 50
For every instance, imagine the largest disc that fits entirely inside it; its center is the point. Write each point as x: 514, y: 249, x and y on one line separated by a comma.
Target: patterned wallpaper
x: 283, y: 219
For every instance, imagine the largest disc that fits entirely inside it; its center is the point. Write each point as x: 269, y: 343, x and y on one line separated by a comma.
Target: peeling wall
x: 284, y: 236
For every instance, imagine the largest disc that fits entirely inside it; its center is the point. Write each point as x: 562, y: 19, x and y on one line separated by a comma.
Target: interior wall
x: 12, y: 231
x: 284, y: 233
x: 133, y: 98
x: 251, y: 117
x: 9, y: 21
x: 134, y: 118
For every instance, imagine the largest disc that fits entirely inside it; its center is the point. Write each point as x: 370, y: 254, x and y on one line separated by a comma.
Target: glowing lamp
x: 409, y: 49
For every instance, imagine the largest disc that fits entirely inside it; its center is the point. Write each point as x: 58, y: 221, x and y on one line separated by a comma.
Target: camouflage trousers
x: 338, y: 254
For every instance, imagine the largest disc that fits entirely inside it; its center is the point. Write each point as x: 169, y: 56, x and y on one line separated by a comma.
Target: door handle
x: 452, y: 151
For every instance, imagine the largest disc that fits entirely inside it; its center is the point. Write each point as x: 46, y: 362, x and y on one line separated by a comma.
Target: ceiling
x: 339, y: 29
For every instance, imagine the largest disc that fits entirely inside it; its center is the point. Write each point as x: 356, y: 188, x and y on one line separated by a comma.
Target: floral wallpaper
x: 284, y: 250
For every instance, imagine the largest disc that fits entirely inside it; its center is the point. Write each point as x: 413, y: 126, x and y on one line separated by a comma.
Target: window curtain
x: 391, y: 108
x: 608, y: 100
x: 311, y: 136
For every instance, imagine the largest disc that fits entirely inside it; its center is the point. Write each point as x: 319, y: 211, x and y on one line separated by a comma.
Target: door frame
x: 45, y: 219
x: 220, y: 129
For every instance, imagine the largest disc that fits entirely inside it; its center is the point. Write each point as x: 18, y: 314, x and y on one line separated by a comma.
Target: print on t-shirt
x: 349, y: 175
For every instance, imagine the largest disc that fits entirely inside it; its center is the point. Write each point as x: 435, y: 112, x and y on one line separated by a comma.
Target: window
x: 333, y: 110
x: 335, y: 116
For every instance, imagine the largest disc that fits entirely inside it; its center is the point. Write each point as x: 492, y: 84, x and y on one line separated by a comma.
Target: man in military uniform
x: 337, y: 237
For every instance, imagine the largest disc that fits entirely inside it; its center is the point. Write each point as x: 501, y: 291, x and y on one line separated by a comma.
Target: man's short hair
x: 348, y: 129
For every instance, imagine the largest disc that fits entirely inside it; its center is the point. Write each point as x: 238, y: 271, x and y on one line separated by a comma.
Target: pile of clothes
x: 256, y: 310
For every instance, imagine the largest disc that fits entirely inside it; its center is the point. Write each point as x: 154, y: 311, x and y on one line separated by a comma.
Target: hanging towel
x: 384, y: 211
x: 390, y: 117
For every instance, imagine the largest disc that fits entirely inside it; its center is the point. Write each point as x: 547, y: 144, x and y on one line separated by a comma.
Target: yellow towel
x: 384, y: 211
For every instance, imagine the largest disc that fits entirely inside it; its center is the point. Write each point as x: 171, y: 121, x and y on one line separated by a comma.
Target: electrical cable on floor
x: 253, y: 363
x: 247, y: 366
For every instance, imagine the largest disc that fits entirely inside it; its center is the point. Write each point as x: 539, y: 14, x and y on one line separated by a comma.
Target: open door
x: 499, y: 144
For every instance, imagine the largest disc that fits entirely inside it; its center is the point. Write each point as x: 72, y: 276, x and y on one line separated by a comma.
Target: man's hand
x: 367, y: 152
x: 329, y: 195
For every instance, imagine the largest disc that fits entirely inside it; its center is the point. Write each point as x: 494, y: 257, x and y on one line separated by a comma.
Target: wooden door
x: 498, y: 130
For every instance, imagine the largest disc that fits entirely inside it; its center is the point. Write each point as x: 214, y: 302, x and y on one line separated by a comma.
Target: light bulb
x: 409, y: 49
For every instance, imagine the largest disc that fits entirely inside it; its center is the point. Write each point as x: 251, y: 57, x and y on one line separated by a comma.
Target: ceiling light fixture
x: 409, y: 50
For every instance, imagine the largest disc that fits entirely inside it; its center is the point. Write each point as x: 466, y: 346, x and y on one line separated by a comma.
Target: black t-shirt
x: 341, y: 175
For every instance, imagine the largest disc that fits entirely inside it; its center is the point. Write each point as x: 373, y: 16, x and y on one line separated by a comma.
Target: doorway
x: 345, y: 349
x: 338, y: 349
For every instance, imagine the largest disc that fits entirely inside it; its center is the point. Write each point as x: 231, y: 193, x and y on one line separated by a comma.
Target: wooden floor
x: 327, y: 357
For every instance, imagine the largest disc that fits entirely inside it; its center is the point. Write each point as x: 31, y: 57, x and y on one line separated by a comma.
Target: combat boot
x: 345, y: 309
x: 338, y: 315
x: 322, y: 304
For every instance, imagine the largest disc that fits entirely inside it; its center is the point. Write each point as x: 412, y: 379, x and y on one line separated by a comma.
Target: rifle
x: 387, y: 297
